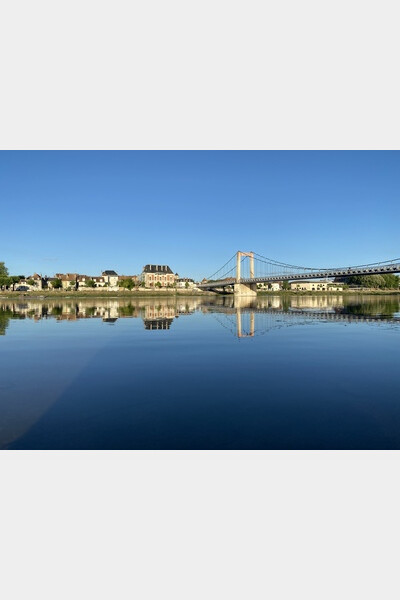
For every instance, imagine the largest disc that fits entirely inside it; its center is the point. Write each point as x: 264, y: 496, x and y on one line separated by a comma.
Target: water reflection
x: 244, y: 317
x: 200, y: 372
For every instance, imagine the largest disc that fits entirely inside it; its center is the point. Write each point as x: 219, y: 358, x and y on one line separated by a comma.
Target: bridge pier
x: 245, y: 289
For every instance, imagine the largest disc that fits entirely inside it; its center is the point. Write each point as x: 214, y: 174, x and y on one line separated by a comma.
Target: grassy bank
x: 53, y: 294
x: 351, y: 292
x: 40, y: 294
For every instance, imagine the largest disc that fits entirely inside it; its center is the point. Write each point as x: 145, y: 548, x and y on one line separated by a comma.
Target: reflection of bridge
x: 252, y: 321
x: 261, y: 269
x: 242, y: 316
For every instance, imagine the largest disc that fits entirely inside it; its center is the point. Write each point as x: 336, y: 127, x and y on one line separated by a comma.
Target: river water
x: 277, y: 372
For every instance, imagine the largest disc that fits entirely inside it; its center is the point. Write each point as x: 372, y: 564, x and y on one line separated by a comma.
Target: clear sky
x: 87, y: 211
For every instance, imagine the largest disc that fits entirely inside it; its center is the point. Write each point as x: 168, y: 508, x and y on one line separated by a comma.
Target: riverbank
x: 347, y: 292
x: 42, y: 294
x: 53, y: 294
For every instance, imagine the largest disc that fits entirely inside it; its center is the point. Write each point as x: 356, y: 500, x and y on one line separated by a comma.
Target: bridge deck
x: 328, y: 273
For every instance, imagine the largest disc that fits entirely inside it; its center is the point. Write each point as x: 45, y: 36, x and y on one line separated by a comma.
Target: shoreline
x: 47, y: 294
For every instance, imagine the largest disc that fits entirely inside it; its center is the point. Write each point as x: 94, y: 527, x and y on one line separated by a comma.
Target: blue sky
x: 89, y: 211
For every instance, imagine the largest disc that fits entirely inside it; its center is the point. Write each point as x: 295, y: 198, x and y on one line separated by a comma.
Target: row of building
x: 305, y: 286
x: 152, y: 276
x: 298, y: 286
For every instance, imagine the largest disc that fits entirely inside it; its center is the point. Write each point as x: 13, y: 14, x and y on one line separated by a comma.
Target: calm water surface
x: 295, y: 372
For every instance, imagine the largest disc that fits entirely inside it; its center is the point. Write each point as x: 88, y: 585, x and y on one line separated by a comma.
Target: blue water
x: 200, y: 373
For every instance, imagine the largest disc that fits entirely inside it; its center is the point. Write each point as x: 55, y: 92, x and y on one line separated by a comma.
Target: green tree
x: 90, y: 283
x: 127, y: 284
x: 3, y: 270
x: 30, y: 282
x: 158, y: 284
x: 4, y: 281
x: 384, y: 281
x: 285, y: 285
x: 14, y: 280
x: 186, y: 284
x: 56, y: 283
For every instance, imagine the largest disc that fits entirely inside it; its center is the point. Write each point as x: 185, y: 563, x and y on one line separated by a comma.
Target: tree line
x: 387, y: 281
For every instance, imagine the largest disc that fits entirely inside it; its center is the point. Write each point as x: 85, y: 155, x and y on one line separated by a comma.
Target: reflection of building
x: 153, y: 311
x: 157, y: 323
x: 157, y: 275
x: 323, y: 301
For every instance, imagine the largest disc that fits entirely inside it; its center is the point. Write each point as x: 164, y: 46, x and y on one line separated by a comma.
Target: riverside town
x: 162, y: 278
x: 156, y: 277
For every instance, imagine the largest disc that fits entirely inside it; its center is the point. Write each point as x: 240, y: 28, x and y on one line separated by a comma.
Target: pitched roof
x: 113, y: 273
x: 157, y: 269
x: 67, y: 276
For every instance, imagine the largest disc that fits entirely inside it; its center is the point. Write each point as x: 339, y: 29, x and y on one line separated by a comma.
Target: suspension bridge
x: 244, y: 270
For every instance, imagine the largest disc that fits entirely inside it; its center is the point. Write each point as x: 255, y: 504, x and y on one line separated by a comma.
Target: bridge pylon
x: 244, y: 289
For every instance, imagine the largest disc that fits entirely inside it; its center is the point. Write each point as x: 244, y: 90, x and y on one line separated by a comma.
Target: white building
x: 182, y: 281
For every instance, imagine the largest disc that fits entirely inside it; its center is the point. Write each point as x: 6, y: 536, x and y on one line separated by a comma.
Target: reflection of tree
x: 286, y: 302
x: 5, y: 316
x: 127, y: 311
x: 384, y: 307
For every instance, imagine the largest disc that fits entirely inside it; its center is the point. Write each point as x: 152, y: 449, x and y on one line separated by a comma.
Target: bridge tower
x: 244, y: 289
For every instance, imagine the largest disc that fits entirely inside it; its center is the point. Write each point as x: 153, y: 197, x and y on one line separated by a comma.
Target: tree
x: 384, y: 281
x: 90, y: 283
x: 3, y: 270
x: 128, y: 284
x: 285, y: 285
x: 14, y: 279
x: 4, y: 282
x: 158, y: 284
x: 30, y: 282
x: 186, y: 284
x: 56, y: 283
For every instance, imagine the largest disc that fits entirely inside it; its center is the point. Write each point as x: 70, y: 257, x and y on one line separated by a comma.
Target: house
x: 68, y: 280
x: 273, y: 286
x: 134, y: 278
x: 111, y: 278
x: 33, y: 282
x: 99, y: 282
x: 182, y: 281
x: 157, y: 275
x: 37, y: 281
x: 309, y: 286
x: 82, y: 281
